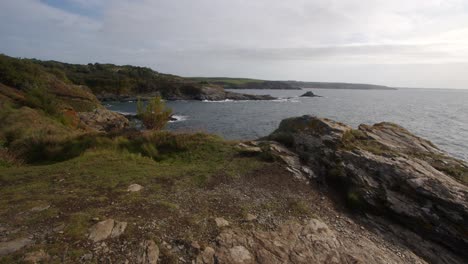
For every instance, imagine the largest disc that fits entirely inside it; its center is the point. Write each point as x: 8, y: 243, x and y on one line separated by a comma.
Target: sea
x: 440, y: 115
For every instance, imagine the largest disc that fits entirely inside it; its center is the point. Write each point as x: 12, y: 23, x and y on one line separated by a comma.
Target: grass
x: 90, y: 178
x: 448, y: 165
x: 94, y: 183
x: 183, y: 170
x: 356, y: 139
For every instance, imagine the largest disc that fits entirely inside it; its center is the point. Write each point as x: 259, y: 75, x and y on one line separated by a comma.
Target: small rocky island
x: 309, y: 94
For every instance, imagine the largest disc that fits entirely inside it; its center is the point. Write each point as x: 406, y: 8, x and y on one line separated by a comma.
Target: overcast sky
x: 405, y: 43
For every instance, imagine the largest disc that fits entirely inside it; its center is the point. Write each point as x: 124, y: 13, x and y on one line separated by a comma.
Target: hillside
x: 114, y: 82
x: 337, y: 85
x: 242, y: 83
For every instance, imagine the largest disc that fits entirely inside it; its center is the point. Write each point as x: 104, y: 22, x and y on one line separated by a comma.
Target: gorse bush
x: 154, y: 115
x: 40, y: 98
x: 20, y: 73
x: 43, y: 148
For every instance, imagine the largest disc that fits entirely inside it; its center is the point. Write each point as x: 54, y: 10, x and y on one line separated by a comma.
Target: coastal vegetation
x: 245, y: 83
x: 225, y: 80
x: 154, y: 115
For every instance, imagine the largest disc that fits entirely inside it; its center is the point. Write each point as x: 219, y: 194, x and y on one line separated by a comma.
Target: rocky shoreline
x: 206, y: 93
x: 386, y: 171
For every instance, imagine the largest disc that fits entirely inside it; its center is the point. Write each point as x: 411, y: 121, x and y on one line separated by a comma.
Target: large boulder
x: 103, y: 120
x: 385, y: 170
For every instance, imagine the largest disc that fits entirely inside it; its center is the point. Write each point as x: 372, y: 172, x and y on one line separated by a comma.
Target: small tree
x: 155, y: 115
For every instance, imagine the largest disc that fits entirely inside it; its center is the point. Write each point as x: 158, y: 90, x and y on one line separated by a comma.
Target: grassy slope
x: 184, y: 188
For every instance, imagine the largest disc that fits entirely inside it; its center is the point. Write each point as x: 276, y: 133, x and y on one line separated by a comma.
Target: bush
x: 21, y: 74
x: 155, y: 115
x: 40, y: 98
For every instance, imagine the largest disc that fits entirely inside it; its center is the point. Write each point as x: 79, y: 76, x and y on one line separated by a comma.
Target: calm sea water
x: 438, y: 115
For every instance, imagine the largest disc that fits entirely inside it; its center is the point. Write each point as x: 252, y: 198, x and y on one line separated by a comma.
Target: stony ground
x: 104, y: 207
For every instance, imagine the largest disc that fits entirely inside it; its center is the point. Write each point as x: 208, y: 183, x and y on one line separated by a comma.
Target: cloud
x: 263, y: 37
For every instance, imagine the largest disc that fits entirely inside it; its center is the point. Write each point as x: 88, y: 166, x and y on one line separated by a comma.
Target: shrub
x: 354, y: 199
x: 40, y: 98
x: 155, y: 115
x: 7, y: 159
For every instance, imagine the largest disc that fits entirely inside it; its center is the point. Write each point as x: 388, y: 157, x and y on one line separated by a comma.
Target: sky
x: 401, y: 43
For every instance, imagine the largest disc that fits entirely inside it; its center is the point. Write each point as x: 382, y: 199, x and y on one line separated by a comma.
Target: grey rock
x: 14, y: 245
x: 106, y: 229
x: 149, y: 253
x: 101, y: 230
x: 221, y: 222
x: 312, y: 242
x: 207, y: 256
x: 102, y: 119
x: 249, y: 149
x: 134, y: 188
x: 250, y: 217
x: 37, y: 257
x: 40, y: 208
x: 119, y: 229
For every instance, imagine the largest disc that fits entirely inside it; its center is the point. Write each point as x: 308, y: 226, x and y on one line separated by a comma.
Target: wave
x: 179, y: 118
x: 289, y: 99
x: 222, y: 101
x: 124, y: 113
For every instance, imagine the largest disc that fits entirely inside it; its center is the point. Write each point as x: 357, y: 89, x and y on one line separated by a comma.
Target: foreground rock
x: 37, y: 257
x: 312, y: 242
x: 221, y: 222
x: 134, y: 188
x: 386, y: 170
x: 14, y: 245
x: 102, y: 119
x: 149, y: 253
x: 106, y: 229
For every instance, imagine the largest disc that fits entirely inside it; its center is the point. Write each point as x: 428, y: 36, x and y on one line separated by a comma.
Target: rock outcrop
x: 189, y: 91
x: 213, y: 93
x: 309, y: 242
x: 309, y: 94
x: 102, y: 120
x: 387, y: 171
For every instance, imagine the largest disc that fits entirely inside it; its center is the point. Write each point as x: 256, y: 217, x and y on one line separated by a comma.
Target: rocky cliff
x: 386, y: 171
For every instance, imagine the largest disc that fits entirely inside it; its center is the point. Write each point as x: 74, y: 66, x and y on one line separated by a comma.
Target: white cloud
x: 264, y: 38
